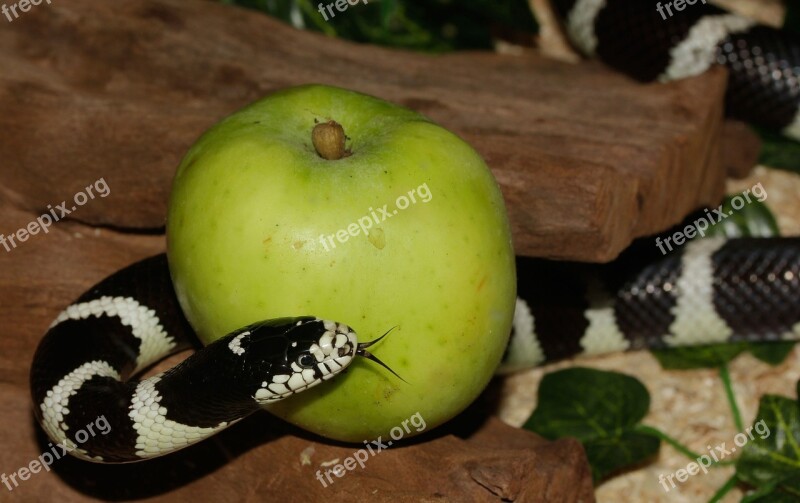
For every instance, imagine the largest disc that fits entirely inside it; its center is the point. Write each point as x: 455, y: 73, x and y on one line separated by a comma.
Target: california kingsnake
x: 712, y: 290
x: 654, y: 40
x: 131, y: 320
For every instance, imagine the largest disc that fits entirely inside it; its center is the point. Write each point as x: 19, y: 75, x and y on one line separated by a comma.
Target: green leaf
x: 772, y: 457
x: 791, y: 486
x: 752, y: 219
x: 773, y: 353
x: 698, y: 357
x: 770, y: 494
x: 611, y: 454
x: 724, y: 490
x: 425, y: 25
x: 773, y: 497
x: 716, y: 355
x: 601, y: 409
x: 777, y: 151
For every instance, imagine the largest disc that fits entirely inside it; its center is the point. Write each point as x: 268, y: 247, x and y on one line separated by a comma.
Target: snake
x: 713, y: 290
x: 657, y: 41
x: 82, y: 368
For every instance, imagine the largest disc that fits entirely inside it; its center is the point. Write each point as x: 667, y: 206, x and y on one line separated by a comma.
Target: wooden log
x: 587, y: 159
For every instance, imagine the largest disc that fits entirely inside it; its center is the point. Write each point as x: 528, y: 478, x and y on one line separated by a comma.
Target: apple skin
x: 249, y: 203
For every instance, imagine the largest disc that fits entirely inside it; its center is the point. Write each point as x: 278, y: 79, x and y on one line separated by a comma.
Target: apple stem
x: 328, y: 139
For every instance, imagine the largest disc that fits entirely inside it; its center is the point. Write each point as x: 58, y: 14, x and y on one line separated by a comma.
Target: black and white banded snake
x: 632, y: 37
x: 713, y: 290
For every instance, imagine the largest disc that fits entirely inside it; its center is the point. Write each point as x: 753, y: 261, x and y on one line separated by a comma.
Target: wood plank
x: 587, y: 159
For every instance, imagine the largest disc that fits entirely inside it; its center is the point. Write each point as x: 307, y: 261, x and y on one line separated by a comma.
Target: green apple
x: 383, y: 220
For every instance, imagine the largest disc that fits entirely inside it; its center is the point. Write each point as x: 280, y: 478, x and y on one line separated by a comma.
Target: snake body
x: 713, y: 290
x: 131, y: 320
x: 649, y: 42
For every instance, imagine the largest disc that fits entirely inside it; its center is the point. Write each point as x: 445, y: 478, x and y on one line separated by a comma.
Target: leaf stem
x: 725, y: 375
x: 759, y: 493
x: 649, y: 430
x: 725, y: 489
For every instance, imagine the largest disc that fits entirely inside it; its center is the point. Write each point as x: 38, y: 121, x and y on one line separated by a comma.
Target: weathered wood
x: 739, y: 142
x: 587, y: 159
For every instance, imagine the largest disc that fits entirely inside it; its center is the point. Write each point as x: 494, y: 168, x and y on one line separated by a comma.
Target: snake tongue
x: 365, y: 345
x: 362, y: 351
x: 369, y: 356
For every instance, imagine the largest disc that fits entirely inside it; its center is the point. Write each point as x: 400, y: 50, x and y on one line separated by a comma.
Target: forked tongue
x: 362, y: 351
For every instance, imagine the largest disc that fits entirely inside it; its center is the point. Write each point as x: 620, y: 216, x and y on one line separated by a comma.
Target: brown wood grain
x: 587, y: 159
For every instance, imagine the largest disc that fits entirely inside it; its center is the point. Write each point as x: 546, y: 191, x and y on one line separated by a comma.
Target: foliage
x: 432, y: 25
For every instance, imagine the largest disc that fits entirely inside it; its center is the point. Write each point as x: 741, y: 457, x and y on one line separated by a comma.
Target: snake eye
x: 306, y: 361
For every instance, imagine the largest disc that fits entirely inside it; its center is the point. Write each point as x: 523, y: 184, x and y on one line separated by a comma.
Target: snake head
x: 299, y: 353
x: 290, y: 355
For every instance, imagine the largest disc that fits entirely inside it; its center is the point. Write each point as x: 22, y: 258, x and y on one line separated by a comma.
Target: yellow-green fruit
x: 406, y: 229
